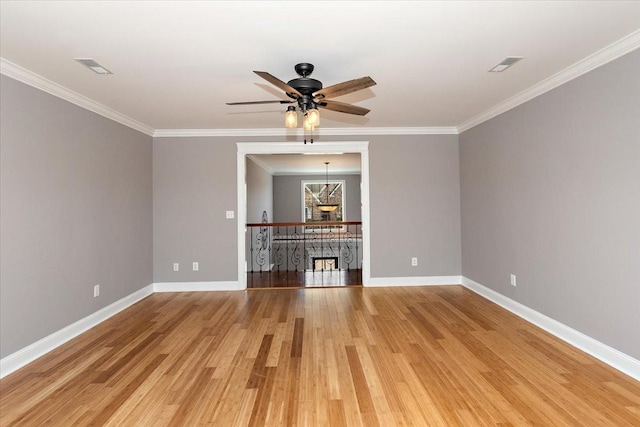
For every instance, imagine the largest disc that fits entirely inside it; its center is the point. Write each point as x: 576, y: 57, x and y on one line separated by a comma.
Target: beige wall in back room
x: 259, y: 192
x: 287, y: 196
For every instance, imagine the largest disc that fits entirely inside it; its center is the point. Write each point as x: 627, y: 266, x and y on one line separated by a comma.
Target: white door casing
x: 246, y: 148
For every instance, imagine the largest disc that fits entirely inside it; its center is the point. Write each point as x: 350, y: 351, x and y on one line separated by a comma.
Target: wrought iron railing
x: 304, y: 246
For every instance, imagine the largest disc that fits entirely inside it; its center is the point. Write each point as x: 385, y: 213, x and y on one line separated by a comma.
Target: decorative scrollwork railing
x: 300, y: 246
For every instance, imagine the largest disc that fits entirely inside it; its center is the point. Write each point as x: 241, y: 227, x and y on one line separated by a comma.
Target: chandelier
x: 327, y: 207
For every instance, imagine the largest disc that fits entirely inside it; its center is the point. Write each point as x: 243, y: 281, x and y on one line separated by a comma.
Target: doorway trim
x: 328, y: 147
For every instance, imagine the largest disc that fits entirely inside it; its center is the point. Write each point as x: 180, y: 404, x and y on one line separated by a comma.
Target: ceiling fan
x: 309, y: 95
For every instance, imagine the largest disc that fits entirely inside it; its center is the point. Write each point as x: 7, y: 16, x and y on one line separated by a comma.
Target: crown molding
x: 30, y: 78
x: 613, y: 51
x: 168, y: 133
x: 261, y: 164
x: 298, y: 133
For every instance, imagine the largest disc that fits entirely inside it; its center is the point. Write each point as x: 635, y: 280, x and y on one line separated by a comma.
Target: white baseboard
x: 414, y: 281
x: 196, y: 286
x: 17, y: 360
x: 612, y: 357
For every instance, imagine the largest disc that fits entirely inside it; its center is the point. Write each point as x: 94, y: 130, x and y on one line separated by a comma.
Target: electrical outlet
x: 414, y: 262
x: 96, y: 291
x: 230, y: 214
x: 513, y: 280
x: 176, y: 266
x: 196, y: 267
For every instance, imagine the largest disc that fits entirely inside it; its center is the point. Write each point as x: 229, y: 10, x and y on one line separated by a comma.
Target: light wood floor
x: 439, y: 356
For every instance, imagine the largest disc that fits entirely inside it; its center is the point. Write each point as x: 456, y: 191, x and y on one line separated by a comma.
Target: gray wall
x: 75, y: 211
x: 414, y: 197
x: 287, y: 196
x: 259, y: 192
x: 194, y: 184
x: 415, y: 206
x: 551, y: 193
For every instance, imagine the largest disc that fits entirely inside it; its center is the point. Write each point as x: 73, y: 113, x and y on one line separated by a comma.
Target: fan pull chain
x: 310, y: 139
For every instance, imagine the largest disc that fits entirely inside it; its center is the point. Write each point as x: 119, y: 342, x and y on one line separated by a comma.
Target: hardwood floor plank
x: 121, y: 397
x: 191, y: 398
x: 225, y: 399
x: 298, y: 334
x: 418, y: 402
x: 245, y: 414
x: 261, y: 406
x: 336, y: 414
x: 359, y: 381
x: 349, y: 356
x: 292, y: 403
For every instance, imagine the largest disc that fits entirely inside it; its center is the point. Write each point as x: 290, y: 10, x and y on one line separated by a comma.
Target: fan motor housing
x: 305, y: 85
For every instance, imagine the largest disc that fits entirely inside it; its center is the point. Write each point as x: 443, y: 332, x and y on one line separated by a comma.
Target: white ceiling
x: 176, y: 63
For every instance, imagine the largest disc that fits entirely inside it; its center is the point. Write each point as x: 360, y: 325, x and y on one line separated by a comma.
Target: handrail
x: 302, y: 224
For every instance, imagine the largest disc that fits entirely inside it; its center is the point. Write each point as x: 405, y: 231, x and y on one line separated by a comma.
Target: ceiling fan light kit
x: 291, y: 117
x: 309, y: 95
x: 306, y: 124
x: 313, y: 116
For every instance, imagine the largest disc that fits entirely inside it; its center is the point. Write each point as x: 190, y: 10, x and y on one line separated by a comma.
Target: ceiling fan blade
x: 275, y: 101
x: 343, y: 107
x: 277, y: 82
x: 345, y: 87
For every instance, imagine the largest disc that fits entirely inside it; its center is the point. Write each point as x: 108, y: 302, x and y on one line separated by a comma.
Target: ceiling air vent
x: 93, y: 65
x: 508, y: 62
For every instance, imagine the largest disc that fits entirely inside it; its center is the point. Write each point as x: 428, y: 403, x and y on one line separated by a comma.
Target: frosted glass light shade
x: 306, y: 124
x: 314, y: 117
x: 291, y: 118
